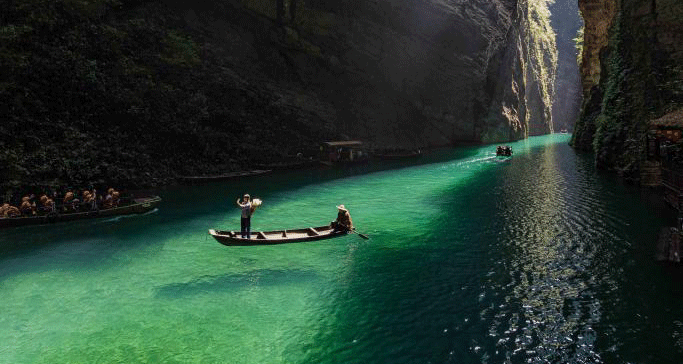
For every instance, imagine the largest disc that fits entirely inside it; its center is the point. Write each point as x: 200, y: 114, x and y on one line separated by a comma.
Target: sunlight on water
x: 472, y: 258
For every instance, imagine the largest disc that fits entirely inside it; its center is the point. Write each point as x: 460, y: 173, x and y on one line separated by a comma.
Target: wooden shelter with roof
x: 340, y: 152
x: 661, y: 147
x: 668, y: 128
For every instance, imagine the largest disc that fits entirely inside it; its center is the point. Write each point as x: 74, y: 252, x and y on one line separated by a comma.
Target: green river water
x: 472, y: 258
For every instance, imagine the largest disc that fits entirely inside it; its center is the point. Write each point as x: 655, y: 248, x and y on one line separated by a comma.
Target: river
x: 471, y: 259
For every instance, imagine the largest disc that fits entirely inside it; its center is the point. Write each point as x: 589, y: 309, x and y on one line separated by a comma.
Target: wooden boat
x: 223, y: 177
x: 138, y: 206
x: 230, y: 238
x: 504, y: 151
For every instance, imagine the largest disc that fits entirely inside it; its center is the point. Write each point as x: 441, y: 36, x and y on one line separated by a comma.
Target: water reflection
x: 549, y: 306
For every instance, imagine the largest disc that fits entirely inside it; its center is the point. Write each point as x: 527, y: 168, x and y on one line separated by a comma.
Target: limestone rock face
x: 567, y: 23
x: 598, y: 16
x: 93, y: 92
x: 396, y: 72
x: 631, y: 73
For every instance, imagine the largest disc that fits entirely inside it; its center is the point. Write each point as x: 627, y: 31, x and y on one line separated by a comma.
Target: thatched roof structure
x: 672, y: 120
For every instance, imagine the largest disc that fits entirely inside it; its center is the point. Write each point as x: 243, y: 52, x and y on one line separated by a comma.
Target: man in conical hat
x: 343, y: 222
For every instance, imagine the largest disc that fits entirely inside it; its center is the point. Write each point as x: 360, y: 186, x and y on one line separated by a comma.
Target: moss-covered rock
x: 631, y: 74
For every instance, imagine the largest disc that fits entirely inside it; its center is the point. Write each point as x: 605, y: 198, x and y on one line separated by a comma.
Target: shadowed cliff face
x: 136, y: 92
x: 419, y: 72
x: 567, y: 102
x: 631, y: 73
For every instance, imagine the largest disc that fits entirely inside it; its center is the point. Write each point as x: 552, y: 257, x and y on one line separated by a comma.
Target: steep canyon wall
x: 424, y: 72
x: 137, y: 92
x: 631, y: 73
x: 567, y: 23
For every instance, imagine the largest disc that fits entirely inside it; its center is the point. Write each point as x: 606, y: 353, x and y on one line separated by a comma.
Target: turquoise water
x: 472, y: 258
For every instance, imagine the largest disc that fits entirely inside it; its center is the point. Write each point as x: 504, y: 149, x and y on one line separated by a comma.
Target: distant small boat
x: 138, y: 206
x: 504, y: 151
x: 233, y: 238
x: 563, y: 131
x: 223, y: 177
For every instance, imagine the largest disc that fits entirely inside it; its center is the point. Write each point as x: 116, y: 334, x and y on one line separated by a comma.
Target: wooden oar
x: 356, y: 232
x: 361, y: 235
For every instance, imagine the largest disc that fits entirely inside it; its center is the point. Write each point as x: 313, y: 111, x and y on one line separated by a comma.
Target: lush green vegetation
x: 637, y: 83
x: 124, y: 92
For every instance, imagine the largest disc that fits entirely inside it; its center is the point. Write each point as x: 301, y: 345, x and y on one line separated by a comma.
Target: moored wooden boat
x: 137, y: 206
x: 277, y: 236
x: 223, y: 177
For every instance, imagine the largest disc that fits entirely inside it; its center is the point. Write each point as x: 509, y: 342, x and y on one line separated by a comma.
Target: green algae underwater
x: 471, y: 258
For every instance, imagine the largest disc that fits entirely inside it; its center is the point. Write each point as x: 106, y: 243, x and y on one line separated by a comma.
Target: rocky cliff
x: 141, y: 91
x: 567, y: 22
x: 631, y: 73
x: 417, y: 73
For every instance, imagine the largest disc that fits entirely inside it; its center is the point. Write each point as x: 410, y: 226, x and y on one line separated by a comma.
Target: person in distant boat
x: 108, y: 201
x: 245, y: 205
x: 115, y: 198
x: 343, y: 221
x: 43, y: 204
x: 3, y: 209
x: 69, y: 201
x: 50, y: 205
x: 8, y: 210
x: 26, y: 208
x: 93, y: 201
x: 87, y: 198
x: 68, y: 197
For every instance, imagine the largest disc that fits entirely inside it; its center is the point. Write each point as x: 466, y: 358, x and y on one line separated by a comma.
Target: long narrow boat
x: 399, y: 155
x: 223, y: 177
x: 138, y: 206
x: 231, y: 238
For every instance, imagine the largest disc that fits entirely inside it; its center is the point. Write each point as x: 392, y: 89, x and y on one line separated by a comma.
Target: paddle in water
x: 354, y: 231
x: 361, y: 235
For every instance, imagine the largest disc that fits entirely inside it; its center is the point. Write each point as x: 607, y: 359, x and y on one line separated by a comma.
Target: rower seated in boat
x: 343, y: 221
x: 3, y: 210
x: 111, y: 199
x: 26, y: 208
x: 7, y: 210
x: 70, y: 202
x: 115, y: 198
x: 50, y: 205
x: 47, y: 205
x: 89, y: 199
x: 107, y: 203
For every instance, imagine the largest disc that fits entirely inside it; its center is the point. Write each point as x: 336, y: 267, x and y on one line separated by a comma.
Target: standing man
x: 245, y: 205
